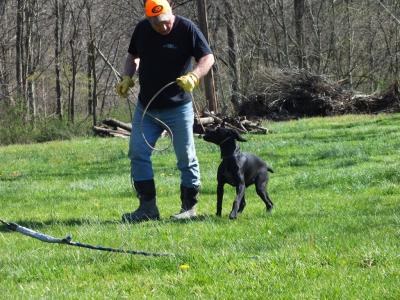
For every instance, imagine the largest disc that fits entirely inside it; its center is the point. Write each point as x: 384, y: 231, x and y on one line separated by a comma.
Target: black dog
x: 238, y: 169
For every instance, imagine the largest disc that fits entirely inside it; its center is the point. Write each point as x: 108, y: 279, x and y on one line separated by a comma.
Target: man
x: 161, y: 49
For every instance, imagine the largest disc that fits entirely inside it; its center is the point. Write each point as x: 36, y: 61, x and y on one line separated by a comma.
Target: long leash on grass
x: 68, y: 241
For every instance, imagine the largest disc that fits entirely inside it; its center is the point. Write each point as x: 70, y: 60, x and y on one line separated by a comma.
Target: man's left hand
x: 188, y: 82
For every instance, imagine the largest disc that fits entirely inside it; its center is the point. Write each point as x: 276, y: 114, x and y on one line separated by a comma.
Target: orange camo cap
x: 155, y: 8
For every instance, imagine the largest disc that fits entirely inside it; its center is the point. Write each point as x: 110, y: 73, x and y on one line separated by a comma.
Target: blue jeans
x: 180, y: 120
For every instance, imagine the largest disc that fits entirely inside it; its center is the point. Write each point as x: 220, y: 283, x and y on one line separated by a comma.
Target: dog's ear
x: 238, y: 137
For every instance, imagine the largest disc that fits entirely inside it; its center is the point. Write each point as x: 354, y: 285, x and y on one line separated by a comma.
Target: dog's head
x: 221, y: 135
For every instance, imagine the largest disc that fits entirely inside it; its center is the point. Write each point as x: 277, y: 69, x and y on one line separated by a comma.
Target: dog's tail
x: 269, y: 169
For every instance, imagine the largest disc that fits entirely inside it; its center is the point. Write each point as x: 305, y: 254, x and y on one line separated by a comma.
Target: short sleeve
x: 132, y: 45
x: 200, y: 45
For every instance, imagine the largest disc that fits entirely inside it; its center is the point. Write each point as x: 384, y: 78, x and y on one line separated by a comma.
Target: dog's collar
x: 225, y: 140
x: 235, y: 153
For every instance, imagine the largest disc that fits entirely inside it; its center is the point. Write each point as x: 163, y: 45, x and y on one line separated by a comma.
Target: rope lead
x: 68, y: 241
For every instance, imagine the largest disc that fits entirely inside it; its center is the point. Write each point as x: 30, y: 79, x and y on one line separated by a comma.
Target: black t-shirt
x: 163, y: 58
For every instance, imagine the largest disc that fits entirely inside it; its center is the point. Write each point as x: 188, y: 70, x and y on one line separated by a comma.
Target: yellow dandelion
x: 184, y: 267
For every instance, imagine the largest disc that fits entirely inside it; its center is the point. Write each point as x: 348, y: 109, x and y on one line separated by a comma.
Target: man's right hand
x: 123, y: 86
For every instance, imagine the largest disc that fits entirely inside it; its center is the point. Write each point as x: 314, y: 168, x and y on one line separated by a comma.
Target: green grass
x: 334, y: 232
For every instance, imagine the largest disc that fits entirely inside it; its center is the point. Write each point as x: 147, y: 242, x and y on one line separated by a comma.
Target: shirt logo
x: 169, y: 46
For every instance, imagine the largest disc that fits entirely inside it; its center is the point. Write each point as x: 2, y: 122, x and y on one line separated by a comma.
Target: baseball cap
x: 158, y: 10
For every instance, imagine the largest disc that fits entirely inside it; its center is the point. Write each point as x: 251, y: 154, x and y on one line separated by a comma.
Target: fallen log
x: 204, y: 120
x: 115, y: 123
x: 111, y: 132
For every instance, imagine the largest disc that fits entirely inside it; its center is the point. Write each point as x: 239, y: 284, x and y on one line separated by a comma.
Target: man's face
x: 163, y: 27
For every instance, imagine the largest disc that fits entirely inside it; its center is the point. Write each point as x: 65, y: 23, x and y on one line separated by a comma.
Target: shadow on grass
x: 200, y: 218
x: 167, y: 221
x: 84, y: 171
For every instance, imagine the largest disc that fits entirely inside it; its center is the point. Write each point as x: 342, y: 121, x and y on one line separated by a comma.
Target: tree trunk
x: 4, y: 72
x: 94, y: 77
x: 209, y: 78
x: 370, y: 51
x: 285, y: 34
x: 71, y: 104
x: 89, y: 80
x: 298, y: 21
x: 317, y: 57
x: 332, y: 48
x: 349, y: 45
x: 59, y: 112
x: 2, y: 7
x: 91, y: 62
x: 30, y: 68
x: 19, y: 46
x: 272, y: 16
x: 233, y: 57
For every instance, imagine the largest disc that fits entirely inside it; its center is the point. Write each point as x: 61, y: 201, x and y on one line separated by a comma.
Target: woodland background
x: 54, y: 83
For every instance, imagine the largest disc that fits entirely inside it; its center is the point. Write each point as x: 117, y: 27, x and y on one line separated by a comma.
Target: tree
x: 233, y: 54
x: 19, y: 47
x: 298, y: 21
x: 209, y: 78
x: 57, y: 58
x: 30, y: 64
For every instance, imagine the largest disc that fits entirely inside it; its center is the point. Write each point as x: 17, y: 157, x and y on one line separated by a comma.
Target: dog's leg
x: 220, y: 196
x: 261, y: 184
x: 236, y: 204
x: 268, y: 201
x: 242, y: 204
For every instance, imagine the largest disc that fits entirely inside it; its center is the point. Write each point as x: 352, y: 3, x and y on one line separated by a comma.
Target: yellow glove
x: 123, y: 86
x: 188, y: 82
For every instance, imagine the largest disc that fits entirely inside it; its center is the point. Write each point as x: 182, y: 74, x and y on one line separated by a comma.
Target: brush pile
x: 289, y: 94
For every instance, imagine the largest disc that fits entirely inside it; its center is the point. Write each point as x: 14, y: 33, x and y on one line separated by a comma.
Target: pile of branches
x: 115, y: 128
x: 288, y: 94
x: 240, y: 124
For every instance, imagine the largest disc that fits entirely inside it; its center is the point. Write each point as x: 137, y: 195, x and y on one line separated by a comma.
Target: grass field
x: 334, y: 232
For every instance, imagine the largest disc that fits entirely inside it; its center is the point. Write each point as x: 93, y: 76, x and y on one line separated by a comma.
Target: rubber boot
x: 189, y: 201
x: 147, y: 210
